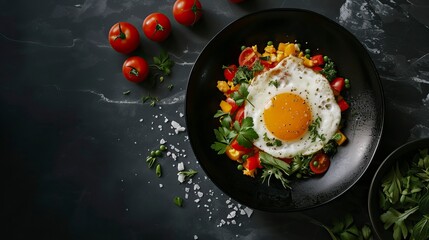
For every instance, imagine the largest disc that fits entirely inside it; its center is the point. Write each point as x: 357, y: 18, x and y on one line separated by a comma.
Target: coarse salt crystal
x: 180, y: 166
x: 200, y: 194
x: 177, y: 128
x: 196, y: 187
x: 248, y: 211
x: 231, y: 215
x: 181, y: 177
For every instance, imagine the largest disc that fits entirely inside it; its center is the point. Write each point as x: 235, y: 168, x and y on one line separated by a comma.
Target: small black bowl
x: 402, y: 153
x: 364, y: 118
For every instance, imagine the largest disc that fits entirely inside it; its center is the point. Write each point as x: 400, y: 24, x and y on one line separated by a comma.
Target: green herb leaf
x: 329, y: 70
x: 188, y: 174
x: 246, y: 133
x: 158, y: 170
x: 163, y: 63
x: 178, y: 201
x: 421, y: 229
x: 268, y: 160
x: 396, y: 218
x: 224, y: 136
x: 313, y: 129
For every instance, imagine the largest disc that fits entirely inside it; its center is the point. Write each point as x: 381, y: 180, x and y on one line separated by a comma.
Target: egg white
x: 292, y: 76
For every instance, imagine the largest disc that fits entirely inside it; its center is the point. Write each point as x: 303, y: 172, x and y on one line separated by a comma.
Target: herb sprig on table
x: 404, y: 198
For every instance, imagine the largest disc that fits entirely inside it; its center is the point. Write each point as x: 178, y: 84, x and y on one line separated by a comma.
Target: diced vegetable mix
x: 235, y: 135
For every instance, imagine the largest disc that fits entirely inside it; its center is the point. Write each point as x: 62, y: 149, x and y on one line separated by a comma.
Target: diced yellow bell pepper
x: 307, y: 62
x: 279, y: 56
x: 223, y: 86
x: 270, y: 49
x: 281, y: 46
x: 255, y: 48
x: 289, y: 49
x: 226, y: 107
x: 250, y: 173
x: 233, y: 154
x: 232, y: 86
x: 342, y: 139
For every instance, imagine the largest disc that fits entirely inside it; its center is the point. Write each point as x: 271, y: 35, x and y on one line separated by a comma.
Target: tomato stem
x: 121, y: 34
x: 134, y: 71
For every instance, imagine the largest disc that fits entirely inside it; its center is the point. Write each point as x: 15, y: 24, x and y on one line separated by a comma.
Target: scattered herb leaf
x: 178, y: 201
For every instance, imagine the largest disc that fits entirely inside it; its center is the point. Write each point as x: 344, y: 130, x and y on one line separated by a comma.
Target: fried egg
x: 287, y: 100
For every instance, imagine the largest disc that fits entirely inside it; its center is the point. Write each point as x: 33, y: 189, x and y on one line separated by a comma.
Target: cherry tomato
x: 247, y: 57
x: 234, y: 144
x: 320, y: 163
x: 187, y: 12
x: 124, y: 37
x: 229, y: 72
x: 317, y: 60
x: 343, y: 104
x: 239, y: 115
x: 337, y: 84
x: 253, y: 162
x: 135, y: 69
x: 233, y: 105
x: 156, y: 27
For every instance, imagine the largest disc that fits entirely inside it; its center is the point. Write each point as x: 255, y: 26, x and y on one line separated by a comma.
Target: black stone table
x: 73, y: 145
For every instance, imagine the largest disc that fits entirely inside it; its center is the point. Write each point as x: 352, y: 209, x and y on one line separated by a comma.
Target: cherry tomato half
x: 229, y: 72
x: 234, y: 106
x: 337, y: 84
x: 319, y: 163
x: 124, y: 37
x: 156, y: 27
x: 317, y: 60
x: 187, y: 12
x: 135, y: 69
x: 247, y: 57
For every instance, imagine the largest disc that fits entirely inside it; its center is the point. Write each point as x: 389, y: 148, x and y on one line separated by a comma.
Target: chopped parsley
x: 313, y: 127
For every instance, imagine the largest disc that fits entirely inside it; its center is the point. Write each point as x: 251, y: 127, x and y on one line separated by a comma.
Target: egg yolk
x: 288, y: 116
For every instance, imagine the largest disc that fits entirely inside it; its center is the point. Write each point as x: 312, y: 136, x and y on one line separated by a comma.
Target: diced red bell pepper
x: 343, y: 104
x: 229, y: 72
x: 234, y: 144
x: 253, y: 162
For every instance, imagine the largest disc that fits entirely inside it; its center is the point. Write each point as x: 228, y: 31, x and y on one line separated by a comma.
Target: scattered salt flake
x: 197, y: 200
x: 141, y: 120
x: 174, y: 156
x: 186, y: 196
x: 195, y: 237
x: 181, y: 115
x: 233, y: 222
x: 200, y: 194
x: 180, y: 166
x: 177, y: 128
x: 162, y: 141
x: 181, y: 177
x: 196, y: 187
x: 187, y: 189
x: 231, y: 215
x: 228, y: 201
x: 160, y: 185
x: 248, y: 211
x: 242, y: 212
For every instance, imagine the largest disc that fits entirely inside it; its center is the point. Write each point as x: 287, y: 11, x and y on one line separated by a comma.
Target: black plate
x: 364, y: 118
x: 402, y: 153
